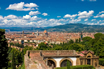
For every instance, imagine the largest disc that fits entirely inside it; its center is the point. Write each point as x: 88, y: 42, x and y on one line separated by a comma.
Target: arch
x: 51, y: 62
x: 63, y: 62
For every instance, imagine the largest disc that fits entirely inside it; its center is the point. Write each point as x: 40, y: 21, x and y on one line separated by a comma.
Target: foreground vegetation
x: 78, y: 67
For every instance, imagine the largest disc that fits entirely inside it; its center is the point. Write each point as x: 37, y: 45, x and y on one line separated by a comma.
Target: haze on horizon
x: 45, y: 13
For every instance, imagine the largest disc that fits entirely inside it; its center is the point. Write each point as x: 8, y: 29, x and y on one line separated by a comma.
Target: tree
x: 76, y: 41
x: 71, y: 41
x: 13, y: 66
x: 68, y: 64
x: 76, y: 47
x: 98, y: 36
x: 42, y: 46
x: 3, y: 50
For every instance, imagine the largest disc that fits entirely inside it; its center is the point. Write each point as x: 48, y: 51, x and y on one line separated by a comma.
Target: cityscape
x: 52, y: 34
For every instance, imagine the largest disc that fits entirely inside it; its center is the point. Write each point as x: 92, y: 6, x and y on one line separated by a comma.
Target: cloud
x: 21, y: 6
x: 27, y: 17
x: 58, y: 16
x: 82, y: 0
x: 88, y: 0
x: 0, y: 7
x: 74, y: 20
x: 86, y: 20
x: 70, y: 16
x: 85, y: 14
x: 92, y: 0
x: 44, y: 14
x: 93, y: 20
x: 31, y: 5
x: 34, y: 12
x: 10, y: 17
x: 1, y: 17
x: 101, y: 16
x: 101, y: 12
x: 35, y: 18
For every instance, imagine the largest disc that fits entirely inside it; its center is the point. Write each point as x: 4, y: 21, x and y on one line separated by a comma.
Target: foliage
x: 78, y: 67
x: 68, y: 65
x: 13, y: 66
x: 42, y: 46
x: 22, y: 66
x: 101, y: 61
x: 3, y: 50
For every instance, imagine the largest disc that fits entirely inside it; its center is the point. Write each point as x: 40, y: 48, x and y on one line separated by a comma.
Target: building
x: 49, y: 59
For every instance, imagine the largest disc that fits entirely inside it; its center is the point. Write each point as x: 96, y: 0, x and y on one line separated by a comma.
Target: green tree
x: 3, y: 50
x: 42, y: 46
x: 76, y: 47
x: 68, y: 64
x: 71, y: 42
x: 98, y: 36
x: 13, y: 66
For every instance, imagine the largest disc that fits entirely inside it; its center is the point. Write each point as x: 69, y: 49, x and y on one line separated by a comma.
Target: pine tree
x: 3, y: 50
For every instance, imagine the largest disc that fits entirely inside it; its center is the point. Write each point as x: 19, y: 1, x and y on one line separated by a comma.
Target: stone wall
x: 34, y: 62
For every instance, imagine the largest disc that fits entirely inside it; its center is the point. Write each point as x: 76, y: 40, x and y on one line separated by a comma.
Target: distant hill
x: 27, y: 29
x: 75, y: 27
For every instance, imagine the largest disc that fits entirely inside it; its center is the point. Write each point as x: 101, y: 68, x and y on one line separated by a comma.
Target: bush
x: 78, y: 67
x: 101, y: 61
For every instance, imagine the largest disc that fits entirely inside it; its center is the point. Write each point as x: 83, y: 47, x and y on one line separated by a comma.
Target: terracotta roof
x: 57, y: 53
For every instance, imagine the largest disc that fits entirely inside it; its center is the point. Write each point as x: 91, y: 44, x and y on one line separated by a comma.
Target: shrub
x: 101, y: 61
x: 78, y: 67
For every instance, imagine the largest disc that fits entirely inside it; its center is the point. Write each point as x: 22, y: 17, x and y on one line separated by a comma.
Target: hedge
x: 79, y: 67
x: 101, y: 61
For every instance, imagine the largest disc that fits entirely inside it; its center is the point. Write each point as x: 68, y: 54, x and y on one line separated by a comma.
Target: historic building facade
x: 50, y: 59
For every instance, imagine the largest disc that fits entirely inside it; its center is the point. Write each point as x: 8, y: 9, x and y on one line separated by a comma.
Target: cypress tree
x: 3, y: 50
x: 68, y: 65
x: 13, y: 61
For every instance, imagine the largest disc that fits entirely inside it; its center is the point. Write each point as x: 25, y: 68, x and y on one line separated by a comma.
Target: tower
x: 81, y: 35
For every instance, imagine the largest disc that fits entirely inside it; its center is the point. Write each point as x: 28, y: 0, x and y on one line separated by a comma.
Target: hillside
x: 75, y: 27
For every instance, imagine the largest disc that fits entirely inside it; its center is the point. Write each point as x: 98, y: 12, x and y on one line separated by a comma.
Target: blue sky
x: 45, y: 13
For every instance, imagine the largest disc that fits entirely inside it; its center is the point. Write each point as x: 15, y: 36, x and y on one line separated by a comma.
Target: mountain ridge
x: 71, y: 27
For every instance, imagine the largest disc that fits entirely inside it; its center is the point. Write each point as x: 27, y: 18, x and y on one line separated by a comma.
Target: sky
x: 46, y: 13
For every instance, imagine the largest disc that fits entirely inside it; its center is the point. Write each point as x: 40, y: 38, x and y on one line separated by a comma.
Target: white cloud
x: 88, y: 0
x: 44, y: 14
x: 34, y: 12
x: 93, y: 20
x: 10, y: 17
x: 74, y: 20
x: 92, y: 0
x: 70, y: 16
x: 0, y: 7
x: 101, y: 16
x: 82, y: 0
x: 101, y: 12
x: 31, y: 5
x: 22, y: 6
x: 27, y: 17
x: 58, y: 16
x: 86, y: 20
x: 85, y: 14
x: 35, y: 18
x: 1, y: 17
